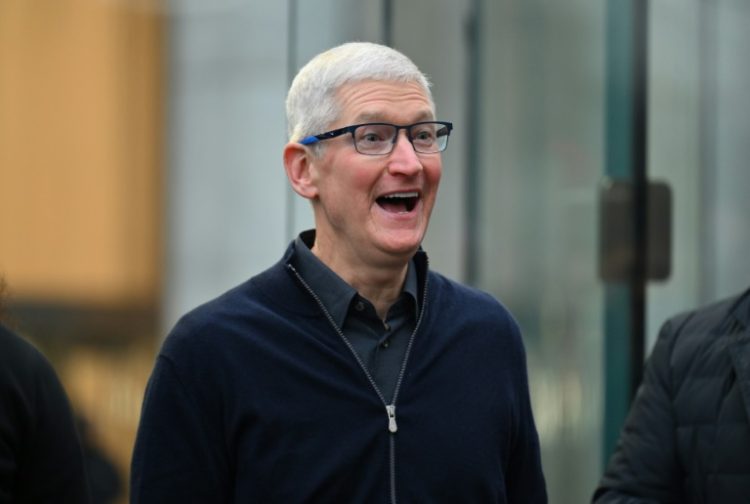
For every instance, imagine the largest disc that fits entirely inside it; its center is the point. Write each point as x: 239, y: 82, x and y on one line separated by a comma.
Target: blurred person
x: 349, y: 371
x: 687, y: 436
x: 40, y: 453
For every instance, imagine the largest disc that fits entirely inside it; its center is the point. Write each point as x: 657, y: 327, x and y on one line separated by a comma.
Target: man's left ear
x: 298, y: 166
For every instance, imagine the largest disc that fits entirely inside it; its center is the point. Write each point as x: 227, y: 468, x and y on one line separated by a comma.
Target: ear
x: 298, y: 165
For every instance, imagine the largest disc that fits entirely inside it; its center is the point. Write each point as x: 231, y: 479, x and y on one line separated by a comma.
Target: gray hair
x: 311, y: 104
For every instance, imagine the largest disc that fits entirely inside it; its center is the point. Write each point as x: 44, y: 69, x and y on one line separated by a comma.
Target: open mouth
x: 399, y: 202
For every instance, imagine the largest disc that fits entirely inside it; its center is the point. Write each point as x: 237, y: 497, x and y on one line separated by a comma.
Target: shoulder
x: 273, y: 292
x: 14, y: 347
x: 457, y: 291
x: 471, y: 328
x: 468, y: 312
x: 30, y: 391
x: 713, y: 320
x: 699, y: 335
x: 472, y: 302
x: 21, y: 359
x: 43, y: 451
x: 709, y: 317
x: 241, y: 315
x: 207, y: 324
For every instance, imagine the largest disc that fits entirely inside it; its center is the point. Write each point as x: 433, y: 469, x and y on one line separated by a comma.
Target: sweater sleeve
x: 644, y: 467
x: 55, y: 454
x: 525, y: 479
x: 179, y: 453
x: 40, y: 453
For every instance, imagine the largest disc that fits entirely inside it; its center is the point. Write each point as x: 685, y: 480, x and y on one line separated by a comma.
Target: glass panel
x: 699, y: 124
x: 542, y: 150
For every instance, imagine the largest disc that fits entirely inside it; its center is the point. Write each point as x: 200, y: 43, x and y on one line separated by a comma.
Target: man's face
x: 358, y: 215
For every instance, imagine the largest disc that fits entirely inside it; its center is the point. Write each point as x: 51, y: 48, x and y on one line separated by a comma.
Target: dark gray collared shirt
x: 380, y: 344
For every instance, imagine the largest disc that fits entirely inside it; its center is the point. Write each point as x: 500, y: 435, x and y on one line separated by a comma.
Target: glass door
x: 542, y: 144
x: 700, y: 145
x: 640, y: 92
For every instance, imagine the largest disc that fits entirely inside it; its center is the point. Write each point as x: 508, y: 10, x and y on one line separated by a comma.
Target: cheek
x: 348, y: 191
x: 360, y: 186
x: 433, y: 172
x: 349, y: 172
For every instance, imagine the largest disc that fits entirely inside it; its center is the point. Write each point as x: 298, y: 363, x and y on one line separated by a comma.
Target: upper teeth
x: 402, y: 195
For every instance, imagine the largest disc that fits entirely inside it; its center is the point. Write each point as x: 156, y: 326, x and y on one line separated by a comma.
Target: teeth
x: 402, y: 195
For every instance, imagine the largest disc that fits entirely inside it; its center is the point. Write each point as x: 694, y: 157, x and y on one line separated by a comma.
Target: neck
x: 380, y: 284
x: 380, y: 288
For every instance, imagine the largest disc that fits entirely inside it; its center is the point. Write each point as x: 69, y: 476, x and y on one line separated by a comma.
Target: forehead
x: 384, y: 101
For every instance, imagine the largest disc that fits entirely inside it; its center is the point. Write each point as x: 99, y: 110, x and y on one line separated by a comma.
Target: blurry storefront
x: 140, y: 174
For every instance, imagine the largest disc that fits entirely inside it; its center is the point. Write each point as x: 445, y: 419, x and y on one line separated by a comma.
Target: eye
x: 425, y: 134
x: 371, y: 134
x: 371, y: 137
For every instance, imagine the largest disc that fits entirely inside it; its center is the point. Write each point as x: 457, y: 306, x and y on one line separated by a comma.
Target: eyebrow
x: 425, y: 115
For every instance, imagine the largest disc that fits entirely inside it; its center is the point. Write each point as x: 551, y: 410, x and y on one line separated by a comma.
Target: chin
x: 402, y: 247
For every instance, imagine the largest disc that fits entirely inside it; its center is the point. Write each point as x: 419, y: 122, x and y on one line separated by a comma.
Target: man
x: 40, y: 453
x: 348, y: 372
x: 687, y: 434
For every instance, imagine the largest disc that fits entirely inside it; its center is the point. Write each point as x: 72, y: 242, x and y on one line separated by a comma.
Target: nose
x: 404, y: 159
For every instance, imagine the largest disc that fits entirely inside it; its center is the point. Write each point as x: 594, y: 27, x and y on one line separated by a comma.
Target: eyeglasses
x: 376, y: 139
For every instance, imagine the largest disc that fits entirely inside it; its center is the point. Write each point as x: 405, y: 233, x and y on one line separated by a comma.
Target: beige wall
x: 80, y: 151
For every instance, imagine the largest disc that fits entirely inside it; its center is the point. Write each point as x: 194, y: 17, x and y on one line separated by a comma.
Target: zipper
x: 390, y: 409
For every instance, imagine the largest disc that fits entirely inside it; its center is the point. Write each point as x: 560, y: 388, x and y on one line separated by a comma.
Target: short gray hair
x: 311, y: 105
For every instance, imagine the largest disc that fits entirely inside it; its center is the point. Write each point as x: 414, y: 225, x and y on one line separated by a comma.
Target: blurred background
x: 141, y: 174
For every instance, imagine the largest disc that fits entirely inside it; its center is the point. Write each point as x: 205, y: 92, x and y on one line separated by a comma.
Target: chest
x: 318, y: 421
x: 711, y: 415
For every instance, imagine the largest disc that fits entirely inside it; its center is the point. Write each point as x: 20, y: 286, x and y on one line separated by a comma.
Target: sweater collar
x: 335, y: 293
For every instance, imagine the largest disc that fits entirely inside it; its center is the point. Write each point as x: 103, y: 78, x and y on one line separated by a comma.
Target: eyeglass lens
x: 426, y: 137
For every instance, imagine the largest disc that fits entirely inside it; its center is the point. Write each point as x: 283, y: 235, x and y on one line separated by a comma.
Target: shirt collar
x: 335, y: 294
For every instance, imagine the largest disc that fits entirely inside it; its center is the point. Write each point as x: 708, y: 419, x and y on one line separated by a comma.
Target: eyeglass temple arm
x: 309, y: 140
x: 324, y: 136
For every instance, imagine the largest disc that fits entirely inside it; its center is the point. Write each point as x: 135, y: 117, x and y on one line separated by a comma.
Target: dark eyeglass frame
x: 312, y: 139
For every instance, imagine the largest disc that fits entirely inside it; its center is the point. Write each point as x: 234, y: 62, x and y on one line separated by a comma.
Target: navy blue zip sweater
x: 256, y: 397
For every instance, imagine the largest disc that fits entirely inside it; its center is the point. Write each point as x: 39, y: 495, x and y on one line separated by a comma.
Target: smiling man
x: 349, y: 371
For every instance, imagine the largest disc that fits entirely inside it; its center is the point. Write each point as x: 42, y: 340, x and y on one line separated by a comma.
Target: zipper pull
x: 390, y: 409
